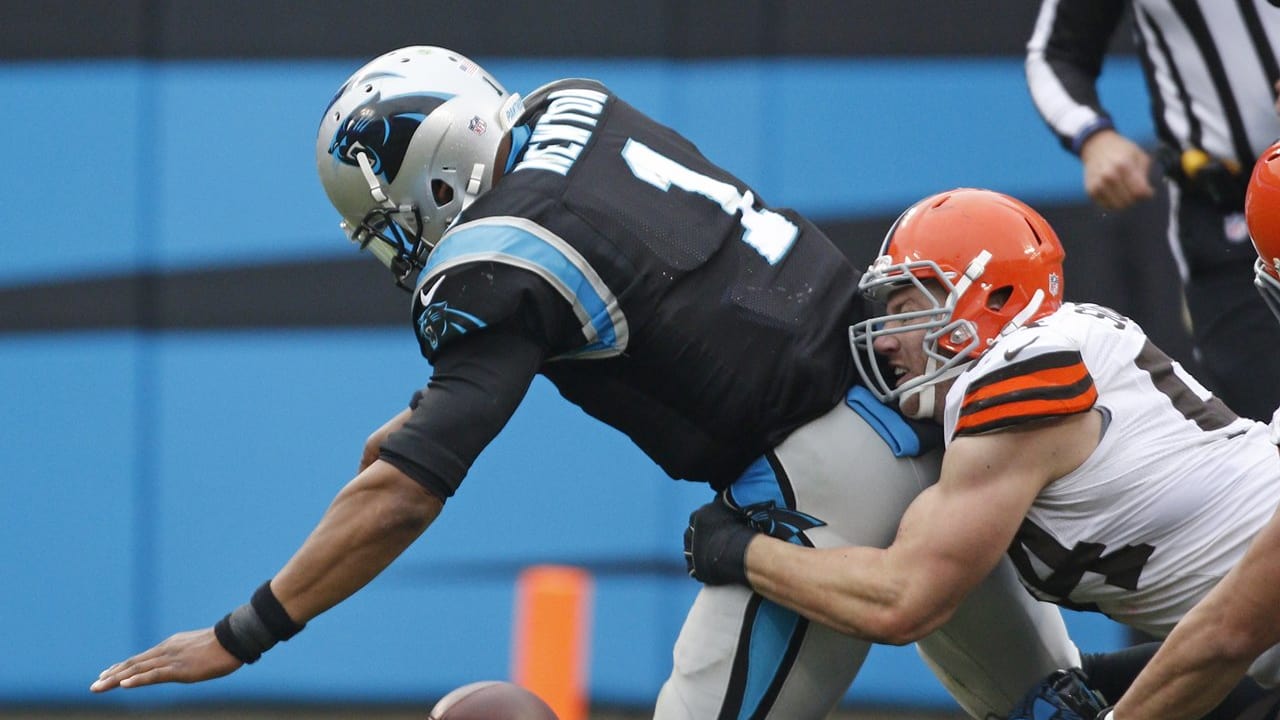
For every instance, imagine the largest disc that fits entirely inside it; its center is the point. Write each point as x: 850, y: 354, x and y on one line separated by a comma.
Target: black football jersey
x: 675, y: 305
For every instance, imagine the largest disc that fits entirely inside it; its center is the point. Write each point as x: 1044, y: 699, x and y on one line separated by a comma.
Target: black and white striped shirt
x: 1210, y: 65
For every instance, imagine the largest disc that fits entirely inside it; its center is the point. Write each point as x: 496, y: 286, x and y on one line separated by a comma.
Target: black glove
x: 715, y: 544
x: 1064, y: 695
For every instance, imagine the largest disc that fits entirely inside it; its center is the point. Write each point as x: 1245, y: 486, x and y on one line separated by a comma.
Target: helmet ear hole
x: 997, y: 298
x: 441, y: 192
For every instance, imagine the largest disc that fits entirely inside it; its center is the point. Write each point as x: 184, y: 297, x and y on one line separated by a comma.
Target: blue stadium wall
x: 192, y: 354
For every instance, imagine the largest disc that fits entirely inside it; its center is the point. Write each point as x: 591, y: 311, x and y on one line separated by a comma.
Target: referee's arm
x: 1064, y: 59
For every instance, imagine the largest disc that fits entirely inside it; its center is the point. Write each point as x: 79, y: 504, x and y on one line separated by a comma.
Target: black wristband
x: 272, y: 613
x: 229, y: 642
x: 255, y: 627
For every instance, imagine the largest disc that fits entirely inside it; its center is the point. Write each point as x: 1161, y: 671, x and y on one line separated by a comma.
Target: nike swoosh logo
x: 425, y: 296
x: 1012, y: 352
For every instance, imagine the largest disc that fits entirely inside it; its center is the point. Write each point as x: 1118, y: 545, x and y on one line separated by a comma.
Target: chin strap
x: 928, y: 400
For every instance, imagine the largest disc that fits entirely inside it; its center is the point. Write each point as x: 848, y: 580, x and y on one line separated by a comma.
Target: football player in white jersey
x: 1111, y: 477
x: 1215, y: 644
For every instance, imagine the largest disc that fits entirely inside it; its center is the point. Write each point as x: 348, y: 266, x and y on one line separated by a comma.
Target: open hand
x: 187, y: 657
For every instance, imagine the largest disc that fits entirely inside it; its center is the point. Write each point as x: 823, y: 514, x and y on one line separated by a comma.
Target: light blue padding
x: 213, y: 162
x: 774, y: 625
x: 516, y: 246
x: 70, y: 178
x: 892, y: 428
x: 68, y: 547
x: 771, y: 632
x: 758, y: 483
x: 519, y: 139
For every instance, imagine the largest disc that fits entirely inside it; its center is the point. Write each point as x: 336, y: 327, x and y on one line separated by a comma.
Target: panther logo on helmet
x: 408, y: 142
x: 383, y: 129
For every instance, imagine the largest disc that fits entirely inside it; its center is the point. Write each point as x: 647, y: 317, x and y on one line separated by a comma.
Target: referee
x: 1212, y: 71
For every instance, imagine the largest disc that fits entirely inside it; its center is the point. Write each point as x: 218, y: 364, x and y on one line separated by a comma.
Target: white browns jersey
x: 1169, y: 499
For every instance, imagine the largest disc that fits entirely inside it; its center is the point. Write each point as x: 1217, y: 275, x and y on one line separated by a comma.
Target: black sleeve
x: 474, y: 390
x: 1064, y: 60
x: 477, y: 297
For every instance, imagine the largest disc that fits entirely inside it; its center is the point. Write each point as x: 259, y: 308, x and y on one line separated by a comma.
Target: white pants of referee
x: 741, y: 656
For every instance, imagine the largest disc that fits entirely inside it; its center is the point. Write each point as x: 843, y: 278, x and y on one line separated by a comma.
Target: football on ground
x: 491, y: 700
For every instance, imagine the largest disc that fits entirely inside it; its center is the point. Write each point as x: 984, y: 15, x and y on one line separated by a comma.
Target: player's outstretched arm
x: 371, y: 521
x: 951, y: 536
x: 1211, y: 647
x: 949, y: 539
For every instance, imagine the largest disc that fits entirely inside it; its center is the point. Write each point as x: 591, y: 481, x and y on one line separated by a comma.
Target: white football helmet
x: 406, y: 144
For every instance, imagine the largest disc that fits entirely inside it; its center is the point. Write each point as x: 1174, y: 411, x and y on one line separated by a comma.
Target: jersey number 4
x: 769, y: 233
x: 1121, y: 567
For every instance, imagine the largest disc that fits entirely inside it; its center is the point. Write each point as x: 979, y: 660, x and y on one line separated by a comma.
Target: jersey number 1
x: 769, y: 233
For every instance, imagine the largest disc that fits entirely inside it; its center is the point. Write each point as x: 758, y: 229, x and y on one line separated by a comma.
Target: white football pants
x: 741, y: 656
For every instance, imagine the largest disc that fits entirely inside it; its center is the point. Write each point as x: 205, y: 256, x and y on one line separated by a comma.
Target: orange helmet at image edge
x: 1262, y: 207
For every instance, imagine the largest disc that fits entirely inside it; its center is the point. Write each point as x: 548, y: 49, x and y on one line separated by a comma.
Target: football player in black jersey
x: 570, y: 235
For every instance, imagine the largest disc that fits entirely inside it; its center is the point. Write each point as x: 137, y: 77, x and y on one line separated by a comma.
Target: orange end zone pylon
x: 552, y: 636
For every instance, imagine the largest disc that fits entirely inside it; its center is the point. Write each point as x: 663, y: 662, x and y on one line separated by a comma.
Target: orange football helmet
x: 994, y: 265
x: 1262, y: 213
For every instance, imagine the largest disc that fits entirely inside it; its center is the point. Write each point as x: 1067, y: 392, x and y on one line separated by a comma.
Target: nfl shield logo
x: 1235, y: 228
x: 1053, y: 284
x: 477, y: 125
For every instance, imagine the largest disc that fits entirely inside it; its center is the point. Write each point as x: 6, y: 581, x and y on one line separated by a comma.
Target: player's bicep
x: 956, y: 531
